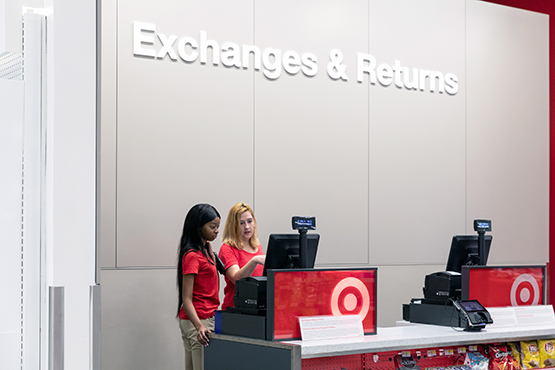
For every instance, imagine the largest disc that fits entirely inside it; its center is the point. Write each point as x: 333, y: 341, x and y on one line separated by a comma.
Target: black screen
x: 464, y: 251
x: 283, y: 251
x: 472, y: 306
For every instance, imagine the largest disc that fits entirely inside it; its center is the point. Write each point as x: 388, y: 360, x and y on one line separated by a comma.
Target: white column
x: 70, y: 196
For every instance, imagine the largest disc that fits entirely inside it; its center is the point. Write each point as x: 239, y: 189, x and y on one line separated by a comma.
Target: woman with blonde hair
x: 241, y: 252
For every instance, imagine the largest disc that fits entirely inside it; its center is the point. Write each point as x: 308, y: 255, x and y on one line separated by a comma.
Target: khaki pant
x: 194, y: 351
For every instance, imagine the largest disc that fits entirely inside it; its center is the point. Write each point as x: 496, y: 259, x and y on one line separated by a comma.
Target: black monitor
x: 283, y: 251
x: 465, y: 251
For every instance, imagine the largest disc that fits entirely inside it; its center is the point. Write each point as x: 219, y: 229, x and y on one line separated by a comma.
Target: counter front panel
x: 502, y: 286
x: 296, y: 293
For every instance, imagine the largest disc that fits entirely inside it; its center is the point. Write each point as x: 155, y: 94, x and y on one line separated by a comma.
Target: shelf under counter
x: 248, y: 353
x: 419, y: 336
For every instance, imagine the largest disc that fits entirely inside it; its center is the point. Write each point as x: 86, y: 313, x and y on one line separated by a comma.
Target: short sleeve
x: 191, y: 263
x: 228, y: 256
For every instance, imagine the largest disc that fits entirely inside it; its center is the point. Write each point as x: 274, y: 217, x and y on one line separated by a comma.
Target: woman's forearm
x: 191, y: 313
x: 242, y: 272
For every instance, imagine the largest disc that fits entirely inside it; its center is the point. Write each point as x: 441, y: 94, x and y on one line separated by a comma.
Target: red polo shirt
x: 206, y: 298
x: 232, y: 256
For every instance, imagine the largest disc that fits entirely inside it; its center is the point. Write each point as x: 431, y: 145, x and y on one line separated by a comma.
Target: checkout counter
x: 369, y: 352
x: 439, y: 329
x: 430, y: 345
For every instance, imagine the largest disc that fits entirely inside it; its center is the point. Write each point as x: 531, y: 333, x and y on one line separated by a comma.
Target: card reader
x: 477, y: 317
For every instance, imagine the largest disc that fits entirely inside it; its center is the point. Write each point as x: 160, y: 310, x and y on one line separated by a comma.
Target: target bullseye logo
x: 347, y: 296
x: 525, y: 291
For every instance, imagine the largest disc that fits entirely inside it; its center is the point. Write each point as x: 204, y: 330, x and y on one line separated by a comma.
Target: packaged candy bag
x: 515, y: 351
x: 547, y: 352
x: 476, y: 361
x: 529, y: 354
x: 502, y: 359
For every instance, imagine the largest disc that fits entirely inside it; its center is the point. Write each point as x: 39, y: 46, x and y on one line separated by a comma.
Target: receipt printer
x: 476, y: 316
x: 250, y: 295
x: 440, y: 286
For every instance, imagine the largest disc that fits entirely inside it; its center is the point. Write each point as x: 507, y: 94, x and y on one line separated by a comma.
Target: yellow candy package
x: 530, y: 355
x: 547, y: 352
x: 515, y: 351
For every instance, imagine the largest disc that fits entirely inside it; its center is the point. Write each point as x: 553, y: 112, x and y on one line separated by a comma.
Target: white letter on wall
x: 291, y: 62
x: 139, y: 39
x: 182, y: 52
x: 397, y: 70
x: 441, y: 82
x: 247, y: 50
x: 362, y: 69
x: 310, y: 66
x: 272, y: 70
x: 385, y: 74
x: 231, y: 55
x: 423, y: 75
x: 451, y: 83
x: 411, y: 85
x: 167, y: 46
x: 204, y: 45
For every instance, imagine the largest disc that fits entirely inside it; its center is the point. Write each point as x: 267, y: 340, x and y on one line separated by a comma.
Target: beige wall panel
x: 185, y: 130
x: 508, y: 130
x: 139, y: 328
x: 311, y: 135
x: 417, y: 138
x: 396, y: 286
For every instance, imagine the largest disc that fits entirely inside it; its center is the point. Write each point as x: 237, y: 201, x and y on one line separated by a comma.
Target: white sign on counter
x: 330, y: 327
x: 521, y: 316
x: 533, y: 315
x: 503, y: 317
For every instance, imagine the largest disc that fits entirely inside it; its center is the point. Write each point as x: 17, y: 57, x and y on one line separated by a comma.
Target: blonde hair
x: 232, y: 227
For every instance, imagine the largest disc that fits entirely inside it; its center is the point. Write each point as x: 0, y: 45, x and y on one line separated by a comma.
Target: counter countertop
x: 418, y: 336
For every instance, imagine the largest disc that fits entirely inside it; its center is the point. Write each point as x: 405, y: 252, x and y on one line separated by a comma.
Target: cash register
x: 285, y: 251
x: 442, y: 304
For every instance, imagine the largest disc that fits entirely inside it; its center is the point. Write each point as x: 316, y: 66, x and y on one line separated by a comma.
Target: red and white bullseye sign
x: 525, y: 291
x: 504, y: 286
x: 348, y: 295
x: 298, y: 293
